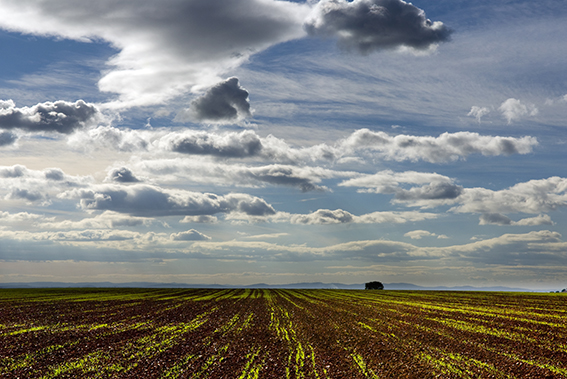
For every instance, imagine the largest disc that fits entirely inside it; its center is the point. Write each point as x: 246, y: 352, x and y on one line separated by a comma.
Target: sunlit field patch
x: 259, y: 333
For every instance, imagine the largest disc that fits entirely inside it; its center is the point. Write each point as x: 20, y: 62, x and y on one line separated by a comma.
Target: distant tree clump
x: 374, y: 286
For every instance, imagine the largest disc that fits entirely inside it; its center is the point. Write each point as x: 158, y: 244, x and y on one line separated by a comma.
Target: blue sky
x: 270, y: 141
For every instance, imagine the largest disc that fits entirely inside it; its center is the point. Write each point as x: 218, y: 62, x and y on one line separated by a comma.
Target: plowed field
x: 243, y: 333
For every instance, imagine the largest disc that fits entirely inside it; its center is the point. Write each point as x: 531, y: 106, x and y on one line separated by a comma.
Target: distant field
x: 238, y: 333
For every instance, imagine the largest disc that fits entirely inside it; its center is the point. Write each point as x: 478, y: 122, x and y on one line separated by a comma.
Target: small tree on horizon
x: 373, y: 286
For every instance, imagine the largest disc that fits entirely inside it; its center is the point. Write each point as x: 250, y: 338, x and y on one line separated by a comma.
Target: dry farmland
x: 257, y: 333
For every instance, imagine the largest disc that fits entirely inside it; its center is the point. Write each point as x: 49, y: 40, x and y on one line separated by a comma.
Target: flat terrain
x: 238, y: 333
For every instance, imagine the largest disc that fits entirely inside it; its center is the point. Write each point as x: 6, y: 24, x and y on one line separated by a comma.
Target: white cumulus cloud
x: 513, y: 110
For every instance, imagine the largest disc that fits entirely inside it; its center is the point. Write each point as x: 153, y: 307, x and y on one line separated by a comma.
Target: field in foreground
x: 202, y: 333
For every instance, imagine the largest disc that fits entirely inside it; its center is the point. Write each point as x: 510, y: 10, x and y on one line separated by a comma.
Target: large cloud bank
x: 165, y: 48
x: 151, y: 201
x: 446, y: 147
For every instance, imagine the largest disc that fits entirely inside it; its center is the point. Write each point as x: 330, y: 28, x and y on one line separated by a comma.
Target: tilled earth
x: 258, y: 333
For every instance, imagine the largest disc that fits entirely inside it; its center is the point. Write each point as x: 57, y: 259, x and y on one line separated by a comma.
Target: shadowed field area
x: 248, y: 333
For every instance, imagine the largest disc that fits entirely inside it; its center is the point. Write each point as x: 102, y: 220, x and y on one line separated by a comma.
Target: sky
x: 264, y: 141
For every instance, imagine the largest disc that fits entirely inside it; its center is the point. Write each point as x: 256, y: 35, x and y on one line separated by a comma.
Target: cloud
x: 513, y: 110
x: 323, y: 216
x: 419, y: 234
x: 394, y: 217
x: 121, y: 175
x: 75, y: 235
x: 151, y: 201
x: 534, y: 196
x: 224, y: 103
x: 105, y: 220
x: 201, y: 219
x: 202, y: 171
x: 477, y: 112
x: 15, y: 171
x: 388, y: 181
x: 60, y: 116
x: 105, y: 137
x: 433, y: 191
x: 229, y: 145
x: 370, y: 25
x: 266, y: 236
x: 7, y: 138
x: 163, y: 51
x: 445, y: 148
x: 362, y: 143
x: 190, y: 235
x: 303, y: 178
x: 337, y: 216
x: 429, y: 189
x: 534, y: 221
x: 368, y: 250
x: 494, y: 219
x: 20, y: 217
x: 19, y: 182
x: 25, y: 194
x: 531, y: 249
x: 500, y: 219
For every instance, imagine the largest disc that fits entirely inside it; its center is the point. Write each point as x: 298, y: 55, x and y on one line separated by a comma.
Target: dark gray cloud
x: 150, y: 201
x: 494, y: 219
x: 60, y: 116
x: 15, y: 171
x: 286, y: 176
x: 225, y: 102
x: 7, y: 138
x: 433, y: 191
x: 370, y: 25
x: 122, y: 175
x: 25, y: 194
x: 500, y: 219
x: 232, y: 145
x: 54, y: 174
